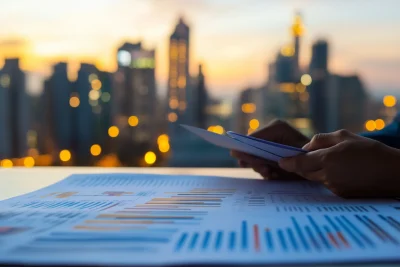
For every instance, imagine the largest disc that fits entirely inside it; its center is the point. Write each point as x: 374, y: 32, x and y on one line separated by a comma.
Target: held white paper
x: 149, y: 220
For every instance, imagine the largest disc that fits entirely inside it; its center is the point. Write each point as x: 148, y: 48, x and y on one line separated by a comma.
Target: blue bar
x: 313, y: 240
x: 363, y: 236
x: 244, y: 235
x: 206, y: 239
x: 300, y: 234
x: 218, y: 241
x: 330, y: 221
x: 268, y: 238
x: 194, y: 241
x: 292, y: 239
x: 181, y: 241
x: 351, y: 234
x: 232, y: 241
x: 319, y: 232
x: 371, y: 222
x: 282, y: 240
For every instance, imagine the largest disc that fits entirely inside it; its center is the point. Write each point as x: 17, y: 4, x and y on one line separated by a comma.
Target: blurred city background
x: 108, y: 82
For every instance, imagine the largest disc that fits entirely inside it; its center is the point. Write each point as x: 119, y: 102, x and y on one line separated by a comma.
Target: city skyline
x: 234, y: 40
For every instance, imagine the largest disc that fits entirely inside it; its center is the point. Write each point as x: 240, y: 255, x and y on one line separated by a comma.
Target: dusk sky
x: 234, y: 39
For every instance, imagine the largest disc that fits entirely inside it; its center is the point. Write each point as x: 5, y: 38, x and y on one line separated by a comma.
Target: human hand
x: 349, y: 165
x: 279, y: 132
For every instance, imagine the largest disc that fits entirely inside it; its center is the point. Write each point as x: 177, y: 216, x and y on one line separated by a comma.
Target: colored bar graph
x: 256, y: 238
x: 358, y: 231
x: 319, y: 232
x: 350, y: 232
x: 331, y: 237
x: 379, y: 228
x: 312, y: 238
x: 392, y: 222
x: 373, y: 229
x: 232, y: 240
x: 268, y: 239
x: 300, y: 234
x: 337, y: 230
x: 206, y: 240
x: 218, y: 240
x: 244, y: 236
x: 181, y: 242
x: 193, y: 242
x: 282, y: 240
x: 292, y: 239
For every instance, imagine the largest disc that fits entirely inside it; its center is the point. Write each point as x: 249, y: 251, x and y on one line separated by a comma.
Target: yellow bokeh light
x: 162, y: 139
x: 133, y: 121
x: 113, y: 131
x: 172, y: 117
x: 164, y: 147
x: 380, y: 124
x: 249, y: 108
x: 92, y: 77
x: 150, y: 157
x: 218, y: 129
x: 74, y: 101
x: 173, y: 103
x: 287, y: 51
x: 95, y: 150
x: 254, y: 124
x: 6, y: 163
x: 370, y: 125
x: 94, y: 95
x: 306, y: 79
x: 389, y: 101
x: 300, y: 88
x: 65, y: 155
x: 96, y: 84
x: 29, y: 162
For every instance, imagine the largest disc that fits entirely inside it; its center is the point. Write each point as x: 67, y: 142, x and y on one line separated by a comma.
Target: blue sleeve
x: 390, y: 135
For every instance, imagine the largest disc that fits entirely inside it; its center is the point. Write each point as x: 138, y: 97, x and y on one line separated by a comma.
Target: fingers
x: 305, y: 163
x: 326, y: 140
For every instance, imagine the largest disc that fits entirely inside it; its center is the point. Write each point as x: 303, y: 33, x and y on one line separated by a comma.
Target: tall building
x: 135, y: 92
x: 178, y: 78
x: 246, y: 110
x: 60, y: 92
x: 201, y: 99
x: 347, y: 103
x: 84, y: 114
x: 318, y: 70
x: 15, y: 112
x: 297, y: 31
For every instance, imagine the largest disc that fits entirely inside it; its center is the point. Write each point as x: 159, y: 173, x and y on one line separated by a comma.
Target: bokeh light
x: 29, y: 162
x: 95, y: 150
x: 306, y: 79
x: 389, y: 101
x: 113, y: 131
x: 65, y: 155
x: 370, y: 125
x: 133, y: 121
x: 150, y: 158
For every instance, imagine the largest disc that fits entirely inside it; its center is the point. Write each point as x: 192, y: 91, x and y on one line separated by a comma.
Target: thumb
x: 325, y: 140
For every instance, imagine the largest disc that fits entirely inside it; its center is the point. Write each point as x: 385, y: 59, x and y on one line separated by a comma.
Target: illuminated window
x: 306, y: 79
x: 96, y: 84
x: 95, y: 150
x: 150, y: 157
x: 389, y: 101
x: 172, y: 117
x: 249, y: 108
x: 287, y: 51
x: 113, y: 131
x: 65, y: 155
x: 287, y: 87
x: 304, y: 97
x: 74, y: 101
x: 5, y: 80
x: 254, y: 124
x: 172, y: 83
x: 300, y: 88
x: 182, y: 106
x: 173, y: 103
x: 133, y: 121
x: 124, y: 58
x: 182, y: 82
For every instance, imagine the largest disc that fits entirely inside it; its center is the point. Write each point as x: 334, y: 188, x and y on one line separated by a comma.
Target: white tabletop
x: 17, y: 181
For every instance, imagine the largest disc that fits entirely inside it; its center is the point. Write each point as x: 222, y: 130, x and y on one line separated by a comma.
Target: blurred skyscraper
x: 134, y: 99
x: 14, y: 111
x: 201, y: 101
x: 318, y: 70
x: 178, y: 78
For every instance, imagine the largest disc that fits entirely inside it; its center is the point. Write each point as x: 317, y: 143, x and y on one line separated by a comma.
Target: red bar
x: 341, y: 237
x: 333, y: 240
x: 256, y: 238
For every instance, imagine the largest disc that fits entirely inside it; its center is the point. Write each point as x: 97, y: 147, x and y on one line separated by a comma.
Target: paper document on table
x: 132, y: 219
x: 253, y: 146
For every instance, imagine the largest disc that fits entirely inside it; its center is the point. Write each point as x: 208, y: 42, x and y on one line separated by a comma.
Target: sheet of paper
x: 132, y: 219
x: 230, y: 143
x: 273, y: 148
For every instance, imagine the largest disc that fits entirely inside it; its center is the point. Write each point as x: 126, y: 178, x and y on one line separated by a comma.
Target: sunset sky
x: 234, y: 39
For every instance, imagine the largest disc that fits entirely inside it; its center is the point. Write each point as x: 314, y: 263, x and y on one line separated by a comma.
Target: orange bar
x: 142, y: 216
x: 256, y: 238
x: 341, y: 237
x: 333, y: 240
x: 128, y: 222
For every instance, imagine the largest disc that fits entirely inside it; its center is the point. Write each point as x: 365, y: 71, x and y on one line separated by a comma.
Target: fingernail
x: 305, y: 147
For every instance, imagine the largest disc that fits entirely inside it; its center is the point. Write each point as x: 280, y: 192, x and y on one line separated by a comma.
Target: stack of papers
x: 155, y: 220
x: 257, y: 147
